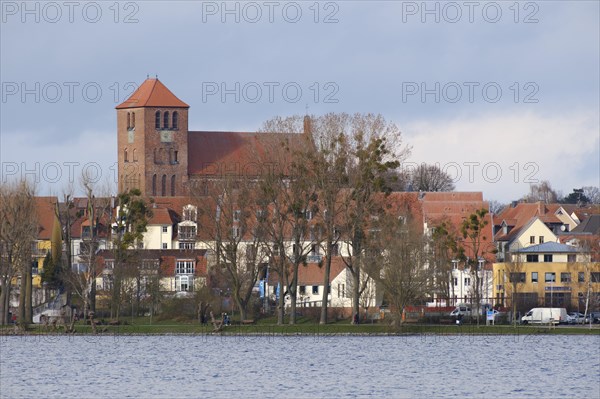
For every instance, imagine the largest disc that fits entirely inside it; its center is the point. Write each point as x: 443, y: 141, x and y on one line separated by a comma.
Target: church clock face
x: 166, y: 136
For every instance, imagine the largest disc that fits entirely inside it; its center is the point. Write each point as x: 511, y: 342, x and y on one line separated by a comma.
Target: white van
x: 545, y: 316
x: 465, y: 309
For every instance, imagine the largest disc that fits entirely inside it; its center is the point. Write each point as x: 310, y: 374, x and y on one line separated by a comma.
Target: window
x: 541, y: 239
x: 128, y: 121
x: 157, y: 120
x: 302, y: 290
x: 547, y: 257
x: 581, y: 277
x: 315, y: 289
x: 173, y: 186
x: 532, y: 258
x: 532, y: 239
x: 189, y: 213
x: 455, y: 281
x: 165, y: 229
x: 176, y: 154
x: 184, y: 267
x: 175, y: 120
x: 595, y: 277
x: 235, y: 232
x: 341, y: 291
x: 163, y: 188
x: 236, y: 215
x: 565, y: 277
x: 517, y: 277
x: 125, y: 155
x: 164, y: 246
x: 571, y: 258
x: 166, y: 120
x: 154, y: 185
x: 550, y: 277
x: 534, y: 277
x: 182, y: 283
x: 308, y: 215
x: 132, y: 120
x: 467, y: 281
x: 134, y: 155
x: 186, y: 245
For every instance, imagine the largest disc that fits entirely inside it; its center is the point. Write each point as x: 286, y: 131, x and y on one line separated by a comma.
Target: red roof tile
x: 46, y: 214
x: 152, y: 93
x: 239, y: 153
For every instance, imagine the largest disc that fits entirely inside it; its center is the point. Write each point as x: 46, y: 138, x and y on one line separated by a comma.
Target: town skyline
x: 441, y: 93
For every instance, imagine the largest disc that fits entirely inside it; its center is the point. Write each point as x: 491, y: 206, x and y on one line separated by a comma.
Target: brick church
x: 158, y: 154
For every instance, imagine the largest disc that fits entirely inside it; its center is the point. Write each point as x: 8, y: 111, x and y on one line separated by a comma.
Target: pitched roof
x: 589, y: 225
x: 152, y: 93
x: 549, y: 247
x: 162, y: 216
x: 215, y: 153
x: 46, y: 216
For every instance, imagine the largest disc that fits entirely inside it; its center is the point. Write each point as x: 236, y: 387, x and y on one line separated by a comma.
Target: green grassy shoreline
x: 141, y: 326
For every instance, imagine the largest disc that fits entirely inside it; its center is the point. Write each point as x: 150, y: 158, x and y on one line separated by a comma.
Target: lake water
x: 299, y: 366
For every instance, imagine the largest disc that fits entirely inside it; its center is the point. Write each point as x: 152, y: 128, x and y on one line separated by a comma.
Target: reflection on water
x: 295, y: 366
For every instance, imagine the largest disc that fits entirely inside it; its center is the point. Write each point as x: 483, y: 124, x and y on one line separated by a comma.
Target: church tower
x: 152, y: 130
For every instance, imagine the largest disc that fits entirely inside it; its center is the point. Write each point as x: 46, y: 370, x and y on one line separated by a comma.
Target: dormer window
x: 166, y: 120
x: 189, y: 213
x: 157, y: 120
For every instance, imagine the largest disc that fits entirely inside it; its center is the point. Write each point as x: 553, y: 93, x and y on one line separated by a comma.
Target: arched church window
x: 166, y: 120
x: 157, y: 120
x: 175, y: 120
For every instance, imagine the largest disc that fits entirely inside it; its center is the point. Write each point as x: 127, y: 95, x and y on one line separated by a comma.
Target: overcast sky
x: 500, y: 94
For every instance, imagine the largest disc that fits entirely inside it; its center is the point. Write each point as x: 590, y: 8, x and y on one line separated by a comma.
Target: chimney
x: 541, y: 208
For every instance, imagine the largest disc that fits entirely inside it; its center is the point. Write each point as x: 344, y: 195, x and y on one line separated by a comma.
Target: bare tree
x: 18, y: 230
x: 129, y: 226
x: 430, y: 178
x: 444, y: 250
x: 514, y: 270
x: 369, y: 159
x: 402, y: 267
x: 496, y: 207
x: 289, y: 206
x: 592, y: 193
x: 234, y: 230
x: 542, y: 192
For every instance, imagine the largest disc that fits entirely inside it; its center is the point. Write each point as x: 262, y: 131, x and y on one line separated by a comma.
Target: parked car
x: 595, y: 317
x: 577, y: 318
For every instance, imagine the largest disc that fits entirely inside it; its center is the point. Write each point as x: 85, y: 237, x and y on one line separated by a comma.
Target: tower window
x: 173, y: 186
x: 154, y: 185
x: 163, y: 189
x: 175, y: 154
x: 128, y: 120
x: 134, y: 155
x: 175, y: 120
x: 125, y: 155
x: 157, y: 120
x: 133, y: 120
x: 166, y: 120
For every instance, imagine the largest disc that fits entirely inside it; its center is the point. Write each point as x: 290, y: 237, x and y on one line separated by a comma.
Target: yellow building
x: 548, y: 274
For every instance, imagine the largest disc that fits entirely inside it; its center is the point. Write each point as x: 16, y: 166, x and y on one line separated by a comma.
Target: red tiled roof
x: 152, y: 93
x: 46, y: 215
x: 213, y: 153
x: 162, y: 216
